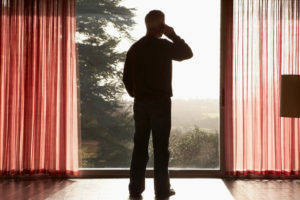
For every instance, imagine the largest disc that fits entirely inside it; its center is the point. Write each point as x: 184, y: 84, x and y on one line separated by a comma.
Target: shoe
x: 135, y: 196
x: 165, y: 195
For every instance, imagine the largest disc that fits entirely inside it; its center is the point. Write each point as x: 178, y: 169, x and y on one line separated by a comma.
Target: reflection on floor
x: 264, y: 189
x: 116, y: 189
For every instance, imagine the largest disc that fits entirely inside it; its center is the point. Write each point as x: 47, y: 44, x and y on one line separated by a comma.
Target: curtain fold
x: 265, y: 44
x: 38, y: 87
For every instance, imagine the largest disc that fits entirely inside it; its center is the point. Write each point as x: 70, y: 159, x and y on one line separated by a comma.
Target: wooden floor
x: 116, y: 189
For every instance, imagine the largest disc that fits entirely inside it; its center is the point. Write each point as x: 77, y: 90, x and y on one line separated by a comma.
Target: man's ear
x: 162, y: 27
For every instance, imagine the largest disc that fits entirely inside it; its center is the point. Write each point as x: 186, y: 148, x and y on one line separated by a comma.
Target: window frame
x: 180, y: 172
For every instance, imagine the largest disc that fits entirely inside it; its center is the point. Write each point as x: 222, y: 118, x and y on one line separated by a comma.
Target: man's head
x: 155, y: 21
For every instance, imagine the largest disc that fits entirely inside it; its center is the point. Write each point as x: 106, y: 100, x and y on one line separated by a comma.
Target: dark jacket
x: 148, y: 67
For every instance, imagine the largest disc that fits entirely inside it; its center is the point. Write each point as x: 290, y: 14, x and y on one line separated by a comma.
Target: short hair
x: 153, y: 17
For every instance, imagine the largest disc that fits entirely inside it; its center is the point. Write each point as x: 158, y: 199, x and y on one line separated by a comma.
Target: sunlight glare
x: 198, y: 23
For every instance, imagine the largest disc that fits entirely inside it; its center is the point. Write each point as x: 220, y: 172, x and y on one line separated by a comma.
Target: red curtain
x: 264, y: 44
x: 38, y: 87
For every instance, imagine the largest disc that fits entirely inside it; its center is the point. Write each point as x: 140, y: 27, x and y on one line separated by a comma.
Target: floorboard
x: 117, y: 189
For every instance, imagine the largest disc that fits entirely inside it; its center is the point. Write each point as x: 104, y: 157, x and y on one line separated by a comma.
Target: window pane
x: 105, y: 31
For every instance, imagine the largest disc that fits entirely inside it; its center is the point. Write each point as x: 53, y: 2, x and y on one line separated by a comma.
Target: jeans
x: 150, y: 115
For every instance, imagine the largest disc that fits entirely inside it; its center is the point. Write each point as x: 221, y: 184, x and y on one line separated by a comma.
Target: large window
x: 105, y: 31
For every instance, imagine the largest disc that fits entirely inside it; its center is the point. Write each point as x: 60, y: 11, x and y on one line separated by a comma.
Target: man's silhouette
x: 148, y: 78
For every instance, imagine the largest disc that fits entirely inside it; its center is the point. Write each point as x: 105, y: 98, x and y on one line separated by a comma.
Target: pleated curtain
x: 264, y: 44
x: 38, y: 87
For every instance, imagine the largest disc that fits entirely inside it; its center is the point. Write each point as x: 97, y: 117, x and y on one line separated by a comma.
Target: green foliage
x: 195, y: 148
x: 100, y: 78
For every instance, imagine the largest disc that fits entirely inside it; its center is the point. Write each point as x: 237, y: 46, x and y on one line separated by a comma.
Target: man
x: 147, y: 77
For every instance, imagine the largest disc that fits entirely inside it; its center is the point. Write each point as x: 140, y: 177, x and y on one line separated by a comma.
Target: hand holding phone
x: 168, y: 30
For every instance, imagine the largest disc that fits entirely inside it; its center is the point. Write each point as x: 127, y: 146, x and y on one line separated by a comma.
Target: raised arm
x: 178, y: 49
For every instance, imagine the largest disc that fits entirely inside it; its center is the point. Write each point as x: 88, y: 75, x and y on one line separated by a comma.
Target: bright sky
x: 198, y: 23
